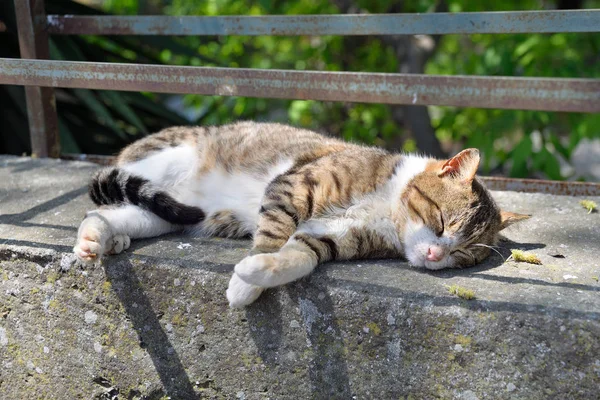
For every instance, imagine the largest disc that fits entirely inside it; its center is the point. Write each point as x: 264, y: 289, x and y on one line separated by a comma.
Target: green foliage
x: 504, y: 136
x: 96, y: 122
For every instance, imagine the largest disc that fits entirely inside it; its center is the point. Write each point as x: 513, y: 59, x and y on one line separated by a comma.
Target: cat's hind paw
x: 88, y: 251
x: 260, y: 270
x: 240, y: 293
x: 119, y: 243
x: 92, y: 238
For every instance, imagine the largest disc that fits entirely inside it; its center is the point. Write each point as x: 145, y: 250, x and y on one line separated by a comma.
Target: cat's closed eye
x: 442, y: 229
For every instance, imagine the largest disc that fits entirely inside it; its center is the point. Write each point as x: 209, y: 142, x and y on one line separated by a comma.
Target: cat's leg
x: 109, y: 230
x: 277, y: 221
x: 288, y: 201
x: 316, y: 242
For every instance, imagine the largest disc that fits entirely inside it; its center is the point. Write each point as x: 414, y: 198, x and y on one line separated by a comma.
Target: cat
x: 304, y: 198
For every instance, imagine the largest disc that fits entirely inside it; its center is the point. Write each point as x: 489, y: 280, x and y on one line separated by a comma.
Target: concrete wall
x: 154, y: 322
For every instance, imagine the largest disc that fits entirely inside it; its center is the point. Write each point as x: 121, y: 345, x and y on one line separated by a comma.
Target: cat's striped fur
x: 305, y: 198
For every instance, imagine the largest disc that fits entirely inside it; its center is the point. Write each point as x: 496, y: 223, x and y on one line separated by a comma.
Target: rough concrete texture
x: 154, y: 322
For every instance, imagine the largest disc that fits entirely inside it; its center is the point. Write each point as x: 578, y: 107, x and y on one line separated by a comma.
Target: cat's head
x: 451, y: 217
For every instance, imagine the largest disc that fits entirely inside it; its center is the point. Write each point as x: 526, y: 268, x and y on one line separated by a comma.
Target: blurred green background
x: 514, y: 143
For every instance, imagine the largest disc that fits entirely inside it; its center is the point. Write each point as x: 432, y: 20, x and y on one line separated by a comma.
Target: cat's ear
x: 462, y: 166
x: 508, y: 218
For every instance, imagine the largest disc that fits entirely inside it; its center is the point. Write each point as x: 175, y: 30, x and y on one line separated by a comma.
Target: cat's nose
x: 435, y: 253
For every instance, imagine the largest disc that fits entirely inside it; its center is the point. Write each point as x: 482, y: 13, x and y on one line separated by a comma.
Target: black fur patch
x: 331, y: 245
x: 94, y: 192
x: 104, y: 192
x: 132, y: 189
x: 171, y: 210
x: 114, y: 189
x: 306, y: 240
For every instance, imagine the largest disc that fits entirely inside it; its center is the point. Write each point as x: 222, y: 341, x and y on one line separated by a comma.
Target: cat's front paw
x: 240, y: 294
x: 260, y: 270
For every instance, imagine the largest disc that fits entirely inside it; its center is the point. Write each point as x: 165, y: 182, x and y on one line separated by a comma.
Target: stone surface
x: 154, y: 321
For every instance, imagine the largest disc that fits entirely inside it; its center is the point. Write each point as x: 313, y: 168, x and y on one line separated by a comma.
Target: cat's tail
x: 116, y: 186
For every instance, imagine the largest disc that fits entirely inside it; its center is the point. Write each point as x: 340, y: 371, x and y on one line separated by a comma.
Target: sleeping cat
x: 306, y: 199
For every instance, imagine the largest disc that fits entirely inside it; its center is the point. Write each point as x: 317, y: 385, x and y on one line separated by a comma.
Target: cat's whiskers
x: 491, y: 248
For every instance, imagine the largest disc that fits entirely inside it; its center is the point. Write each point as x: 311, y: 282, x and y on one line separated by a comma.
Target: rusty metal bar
x: 551, y: 94
x: 41, y: 104
x: 543, y: 186
x: 316, y: 25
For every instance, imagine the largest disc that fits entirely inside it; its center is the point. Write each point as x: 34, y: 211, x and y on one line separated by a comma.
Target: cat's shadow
x: 327, y: 368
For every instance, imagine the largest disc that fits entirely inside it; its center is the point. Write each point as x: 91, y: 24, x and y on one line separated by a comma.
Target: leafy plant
x: 96, y: 122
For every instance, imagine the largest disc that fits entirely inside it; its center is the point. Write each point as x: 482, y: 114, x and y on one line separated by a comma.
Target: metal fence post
x: 41, y: 103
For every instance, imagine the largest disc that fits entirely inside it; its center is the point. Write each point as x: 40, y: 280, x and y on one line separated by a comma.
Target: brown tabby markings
x: 318, y: 186
x: 224, y: 224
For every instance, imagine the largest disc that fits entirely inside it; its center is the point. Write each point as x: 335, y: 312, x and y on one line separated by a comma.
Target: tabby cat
x: 306, y: 199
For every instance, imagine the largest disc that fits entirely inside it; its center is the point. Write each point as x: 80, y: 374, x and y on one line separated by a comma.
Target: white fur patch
x: 240, y: 293
x: 175, y: 169
x: 326, y: 226
x: 410, y: 166
x: 417, y: 240
x: 167, y: 168
x: 240, y: 192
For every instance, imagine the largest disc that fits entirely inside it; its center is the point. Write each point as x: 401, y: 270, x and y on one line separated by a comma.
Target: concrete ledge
x: 154, y: 321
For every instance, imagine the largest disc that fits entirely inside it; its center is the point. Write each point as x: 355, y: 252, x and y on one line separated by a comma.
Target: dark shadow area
x: 474, y: 305
x: 152, y: 337
x: 43, y: 207
x: 328, y: 369
x: 50, y: 226
x: 266, y: 326
x: 507, y: 244
x: 55, y: 247
x: 529, y: 281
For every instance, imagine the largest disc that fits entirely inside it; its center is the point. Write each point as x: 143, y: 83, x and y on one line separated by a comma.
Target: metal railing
x: 39, y: 75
